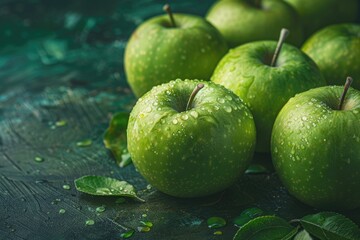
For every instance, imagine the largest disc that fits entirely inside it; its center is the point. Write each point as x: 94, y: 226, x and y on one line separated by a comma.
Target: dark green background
x: 63, y: 60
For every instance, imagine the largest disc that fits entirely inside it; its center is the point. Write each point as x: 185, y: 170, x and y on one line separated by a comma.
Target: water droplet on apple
x: 221, y: 100
x: 141, y: 115
x: 148, y: 109
x: 185, y: 117
x: 228, y: 109
x: 175, y: 121
x: 228, y: 97
x: 355, y: 111
x: 304, y: 118
x: 194, y: 114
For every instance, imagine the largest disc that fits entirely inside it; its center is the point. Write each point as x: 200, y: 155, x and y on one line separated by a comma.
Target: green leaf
x: 330, y: 226
x: 115, y: 138
x: 247, y: 215
x: 265, y: 228
x: 303, y: 235
x: 104, y: 186
x: 256, y: 169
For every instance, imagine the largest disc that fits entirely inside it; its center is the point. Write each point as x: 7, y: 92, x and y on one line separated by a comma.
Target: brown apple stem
x: 167, y: 9
x: 193, y: 94
x: 346, y: 88
x: 283, y: 35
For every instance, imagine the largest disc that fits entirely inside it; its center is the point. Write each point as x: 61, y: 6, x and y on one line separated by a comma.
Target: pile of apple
x: 192, y: 138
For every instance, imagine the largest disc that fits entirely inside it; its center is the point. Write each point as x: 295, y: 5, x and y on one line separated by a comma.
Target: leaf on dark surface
x: 105, y: 186
x: 266, y: 227
x: 115, y: 138
x: 330, y: 226
x: 303, y: 235
x: 247, y: 215
x: 256, y: 169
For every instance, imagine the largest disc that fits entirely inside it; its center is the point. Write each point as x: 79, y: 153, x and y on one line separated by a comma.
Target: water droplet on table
x: 127, y: 234
x: 39, y: 159
x: 147, y: 223
x: 61, y: 123
x: 100, y: 209
x: 66, y: 187
x: 143, y: 229
x: 89, y: 222
x: 62, y: 211
x: 84, y: 143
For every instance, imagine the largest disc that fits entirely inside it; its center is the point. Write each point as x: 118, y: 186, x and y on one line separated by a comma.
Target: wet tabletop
x: 62, y: 78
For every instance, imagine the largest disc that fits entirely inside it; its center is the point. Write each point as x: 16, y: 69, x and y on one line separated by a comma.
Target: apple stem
x: 283, y: 35
x: 347, y: 85
x: 193, y: 94
x: 167, y: 9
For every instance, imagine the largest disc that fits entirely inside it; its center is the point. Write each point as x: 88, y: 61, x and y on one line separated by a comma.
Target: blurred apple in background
x: 242, y: 21
x: 336, y: 50
x: 316, y: 14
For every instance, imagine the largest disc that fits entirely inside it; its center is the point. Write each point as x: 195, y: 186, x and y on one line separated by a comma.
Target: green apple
x: 161, y: 49
x: 242, y: 21
x: 316, y: 14
x: 336, y: 50
x: 249, y: 71
x: 315, y: 147
x: 191, y: 148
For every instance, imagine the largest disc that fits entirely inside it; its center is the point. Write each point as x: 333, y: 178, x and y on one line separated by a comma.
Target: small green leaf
x: 104, y: 186
x: 303, y: 235
x: 247, y: 215
x: 256, y: 169
x: 115, y: 138
x: 330, y: 226
x: 265, y: 228
x: 216, y: 222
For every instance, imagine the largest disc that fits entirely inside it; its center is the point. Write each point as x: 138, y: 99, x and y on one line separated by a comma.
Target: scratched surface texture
x: 62, y: 60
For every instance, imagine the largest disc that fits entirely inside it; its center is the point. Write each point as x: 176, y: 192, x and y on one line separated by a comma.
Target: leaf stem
x: 347, y: 85
x: 193, y: 94
x: 167, y: 9
x: 283, y: 35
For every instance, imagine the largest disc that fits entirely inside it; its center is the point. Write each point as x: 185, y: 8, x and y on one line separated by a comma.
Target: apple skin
x: 316, y: 14
x: 157, y: 53
x: 316, y: 149
x: 240, y: 22
x: 336, y: 50
x: 247, y: 72
x: 191, y: 153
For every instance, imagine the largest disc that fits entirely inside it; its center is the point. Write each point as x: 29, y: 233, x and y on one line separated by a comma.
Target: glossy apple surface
x: 265, y: 89
x: 316, y: 148
x: 191, y: 153
x: 158, y: 52
x: 336, y: 50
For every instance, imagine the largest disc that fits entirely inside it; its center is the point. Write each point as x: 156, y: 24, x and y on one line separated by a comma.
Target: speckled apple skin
x: 191, y: 153
x: 316, y: 149
x: 157, y: 53
x: 245, y: 70
x: 336, y: 50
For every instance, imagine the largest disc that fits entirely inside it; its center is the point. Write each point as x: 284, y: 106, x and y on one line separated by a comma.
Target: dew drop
x: 228, y: 109
x: 89, y: 222
x: 221, y: 100
x: 127, y: 234
x: 185, y: 117
x: 194, y: 114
